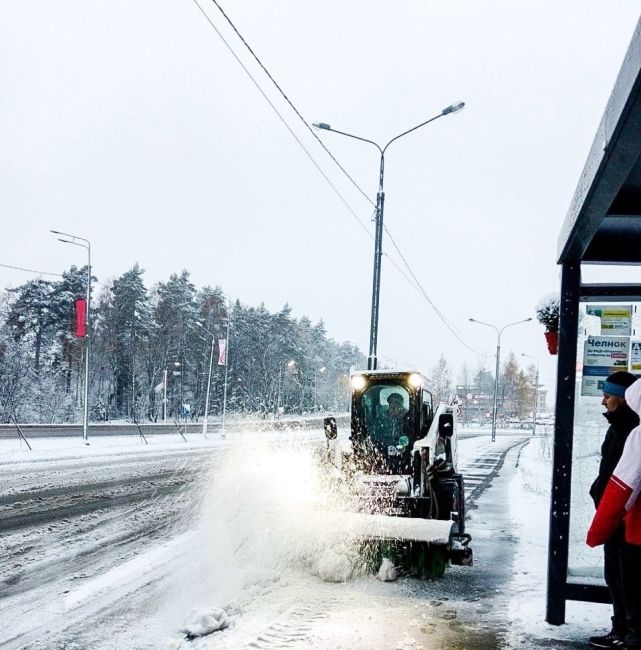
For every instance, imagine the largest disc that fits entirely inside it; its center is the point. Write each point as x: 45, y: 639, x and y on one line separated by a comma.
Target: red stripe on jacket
x: 623, y: 490
x: 611, y: 512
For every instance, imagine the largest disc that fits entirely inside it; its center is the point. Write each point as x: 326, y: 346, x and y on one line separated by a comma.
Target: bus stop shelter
x: 603, y: 227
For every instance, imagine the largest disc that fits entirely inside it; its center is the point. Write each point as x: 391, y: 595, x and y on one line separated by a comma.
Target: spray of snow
x: 265, y: 512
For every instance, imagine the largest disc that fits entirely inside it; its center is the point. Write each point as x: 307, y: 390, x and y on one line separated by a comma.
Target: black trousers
x: 632, y: 594
x: 614, y: 571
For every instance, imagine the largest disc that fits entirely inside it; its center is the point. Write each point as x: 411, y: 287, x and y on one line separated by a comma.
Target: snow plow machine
x: 398, y: 474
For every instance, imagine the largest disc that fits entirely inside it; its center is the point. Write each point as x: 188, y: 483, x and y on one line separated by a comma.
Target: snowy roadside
x: 14, y: 451
x: 265, y: 583
x: 529, y: 511
x: 251, y: 558
x: 89, y: 529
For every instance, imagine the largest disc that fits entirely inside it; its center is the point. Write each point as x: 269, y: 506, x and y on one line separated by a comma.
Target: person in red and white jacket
x: 621, y: 504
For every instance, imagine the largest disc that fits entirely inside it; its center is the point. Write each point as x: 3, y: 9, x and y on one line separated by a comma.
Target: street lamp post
x: 226, y: 367
x: 316, y: 371
x: 83, y: 243
x: 536, y: 391
x: 211, y: 363
x: 183, y: 411
x: 177, y: 372
x: 280, y: 381
x: 164, y: 397
x: 378, y: 238
x: 498, y: 360
x: 290, y: 364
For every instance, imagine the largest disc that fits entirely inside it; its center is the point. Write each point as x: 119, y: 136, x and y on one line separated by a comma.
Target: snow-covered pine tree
x: 174, y: 312
x: 32, y: 316
x: 123, y: 329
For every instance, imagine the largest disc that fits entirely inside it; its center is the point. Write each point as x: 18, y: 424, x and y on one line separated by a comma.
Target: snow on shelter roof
x: 603, y: 224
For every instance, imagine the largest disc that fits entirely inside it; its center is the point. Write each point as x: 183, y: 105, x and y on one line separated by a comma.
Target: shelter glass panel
x: 609, y: 339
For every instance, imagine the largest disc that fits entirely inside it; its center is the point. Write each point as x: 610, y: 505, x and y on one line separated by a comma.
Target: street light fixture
x: 498, y: 359
x: 83, y: 243
x: 378, y: 239
x: 536, y: 391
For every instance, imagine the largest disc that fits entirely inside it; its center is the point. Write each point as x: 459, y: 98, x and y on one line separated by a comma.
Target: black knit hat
x: 617, y: 382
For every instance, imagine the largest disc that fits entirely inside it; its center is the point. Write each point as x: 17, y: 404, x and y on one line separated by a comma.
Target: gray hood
x: 633, y: 397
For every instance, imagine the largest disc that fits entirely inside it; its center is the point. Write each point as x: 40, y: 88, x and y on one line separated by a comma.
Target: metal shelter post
x: 563, y: 431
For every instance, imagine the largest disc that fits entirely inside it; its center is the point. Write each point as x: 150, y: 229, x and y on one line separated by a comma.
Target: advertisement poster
x: 635, y: 356
x: 603, y: 355
x: 615, y: 320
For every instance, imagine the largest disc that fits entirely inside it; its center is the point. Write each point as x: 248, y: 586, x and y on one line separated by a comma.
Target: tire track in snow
x: 293, y: 628
x: 479, y: 472
x: 85, y: 506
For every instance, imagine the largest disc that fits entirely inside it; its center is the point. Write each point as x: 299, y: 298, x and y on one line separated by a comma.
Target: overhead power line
x: 413, y: 280
x: 58, y: 275
x: 286, y: 98
x: 283, y: 120
x: 422, y: 291
x: 19, y: 268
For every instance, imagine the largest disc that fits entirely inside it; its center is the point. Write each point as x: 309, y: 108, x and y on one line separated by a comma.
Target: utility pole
x: 536, y: 392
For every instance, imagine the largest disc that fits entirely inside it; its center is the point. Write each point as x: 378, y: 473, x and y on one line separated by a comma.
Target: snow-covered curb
x: 529, y: 512
x: 70, y: 448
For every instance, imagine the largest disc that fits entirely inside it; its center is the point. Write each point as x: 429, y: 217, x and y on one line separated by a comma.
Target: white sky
x: 130, y: 123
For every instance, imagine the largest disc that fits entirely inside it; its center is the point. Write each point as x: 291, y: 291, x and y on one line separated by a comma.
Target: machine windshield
x: 384, y: 410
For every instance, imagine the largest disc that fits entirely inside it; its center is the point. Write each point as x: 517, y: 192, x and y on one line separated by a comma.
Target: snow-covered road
x: 113, y: 546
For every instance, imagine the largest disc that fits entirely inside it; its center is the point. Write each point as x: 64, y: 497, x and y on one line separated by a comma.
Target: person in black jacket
x: 622, y: 420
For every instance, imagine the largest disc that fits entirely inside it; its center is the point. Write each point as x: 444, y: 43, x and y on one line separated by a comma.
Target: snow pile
x: 387, y: 572
x: 357, y: 526
x: 336, y: 565
x: 201, y: 622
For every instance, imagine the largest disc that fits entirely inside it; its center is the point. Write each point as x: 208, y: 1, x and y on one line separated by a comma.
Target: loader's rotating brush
x: 418, y: 559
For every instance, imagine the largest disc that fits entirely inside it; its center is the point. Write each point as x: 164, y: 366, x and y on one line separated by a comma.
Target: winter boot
x: 609, y: 640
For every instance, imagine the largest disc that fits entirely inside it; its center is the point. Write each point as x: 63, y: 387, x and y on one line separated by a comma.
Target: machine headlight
x: 358, y: 382
x: 415, y: 380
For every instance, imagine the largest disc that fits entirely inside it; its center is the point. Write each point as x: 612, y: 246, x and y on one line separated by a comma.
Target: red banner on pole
x: 81, y: 317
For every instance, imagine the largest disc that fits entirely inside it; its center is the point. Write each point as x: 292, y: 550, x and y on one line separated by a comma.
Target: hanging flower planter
x: 552, y: 339
x: 547, y: 313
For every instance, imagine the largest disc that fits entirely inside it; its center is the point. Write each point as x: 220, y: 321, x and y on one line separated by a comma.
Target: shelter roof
x: 603, y: 224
